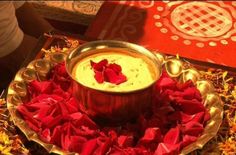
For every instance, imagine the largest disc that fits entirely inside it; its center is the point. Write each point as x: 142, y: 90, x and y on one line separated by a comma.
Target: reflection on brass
x: 58, y: 57
x: 205, y: 87
x: 26, y: 74
x: 161, y: 57
x: 13, y: 99
x: 190, y: 74
x: 42, y: 67
x: 212, y: 99
x: 173, y: 67
x: 19, y: 88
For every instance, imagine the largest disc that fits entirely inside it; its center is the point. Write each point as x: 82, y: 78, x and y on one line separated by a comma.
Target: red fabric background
x: 131, y: 22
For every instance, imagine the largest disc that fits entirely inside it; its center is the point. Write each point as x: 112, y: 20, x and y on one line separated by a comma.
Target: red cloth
x: 204, y: 31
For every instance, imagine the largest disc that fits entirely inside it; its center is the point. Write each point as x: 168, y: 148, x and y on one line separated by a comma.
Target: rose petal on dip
x: 100, y: 65
x: 107, y: 72
x: 99, y: 76
x: 113, y: 77
x: 115, y: 67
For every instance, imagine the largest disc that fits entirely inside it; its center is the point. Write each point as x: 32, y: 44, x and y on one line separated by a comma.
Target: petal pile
x: 177, y: 117
x: 108, y: 72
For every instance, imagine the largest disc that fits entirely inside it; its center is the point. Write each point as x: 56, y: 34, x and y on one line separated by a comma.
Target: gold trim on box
x: 39, y: 68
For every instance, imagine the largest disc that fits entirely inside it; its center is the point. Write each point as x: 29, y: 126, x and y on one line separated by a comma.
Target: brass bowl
x: 109, y: 105
x: 39, y: 68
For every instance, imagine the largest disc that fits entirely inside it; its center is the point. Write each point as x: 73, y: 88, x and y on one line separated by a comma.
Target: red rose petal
x: 83, y: 120
x: 187, y: 139
x: 151, y: 135
x: 129, y: 151
x: 185, y: 118
x: 42, y: 112
x: 107, y: 72
x: 45, y: 135
x: 65, y: 141
x: 112, y: 134
x: 207, y: 116
x: 72, y: 106
x: 51, y: 122
x: 56, y: 136
x: 28, y: 116
x: 36, y: 88
x: 199, y: 117
x: 167, y: 149
x: 183, y: 86
x: 92, y: 63
x: 115, y: 67
x: 77, y: 143
x: 104, y: 144
x: 172, y: 136
x: 59, y: 69
x: 125, y: 141
x: 100, y: 65
x: 113, y: 77
x: 193, y: 128
x: 89, y: 147
x: 192, y: 93
x: 165, y: 82
x: 191, y: 106
x: 99, y: 77
x: 35, y: 127
x: 60, y: 76
x: 84, y: 131
x: 175, y: 116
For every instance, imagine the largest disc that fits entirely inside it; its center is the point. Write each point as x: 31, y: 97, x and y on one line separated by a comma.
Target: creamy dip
x: 140, y: 72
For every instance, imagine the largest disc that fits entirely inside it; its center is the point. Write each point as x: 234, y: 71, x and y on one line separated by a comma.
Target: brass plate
x: 39, y: 68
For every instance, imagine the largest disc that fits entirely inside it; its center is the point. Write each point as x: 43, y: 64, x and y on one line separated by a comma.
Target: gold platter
x: 176, y: 68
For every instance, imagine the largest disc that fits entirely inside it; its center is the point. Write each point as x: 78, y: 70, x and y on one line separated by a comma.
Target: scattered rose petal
x: 77, y: 143
x: 89, y: 147
x: 151, y: 135
x: 187, y: 139
x: 60, y: 76
x: 176, y: 120
x: 125, y: 141
x: 193, y: 128
x: 46, y: 135
x: 172, y: 136
x: 191, y: 106
x: 167, y: 149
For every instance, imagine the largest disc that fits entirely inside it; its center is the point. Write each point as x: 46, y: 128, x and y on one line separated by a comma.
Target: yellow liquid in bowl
x: 140, y: 72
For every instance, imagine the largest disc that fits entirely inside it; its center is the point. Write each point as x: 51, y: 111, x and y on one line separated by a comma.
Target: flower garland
x: 10, y: 142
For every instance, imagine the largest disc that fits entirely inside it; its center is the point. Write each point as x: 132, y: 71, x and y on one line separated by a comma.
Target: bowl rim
x: 102, y: 44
